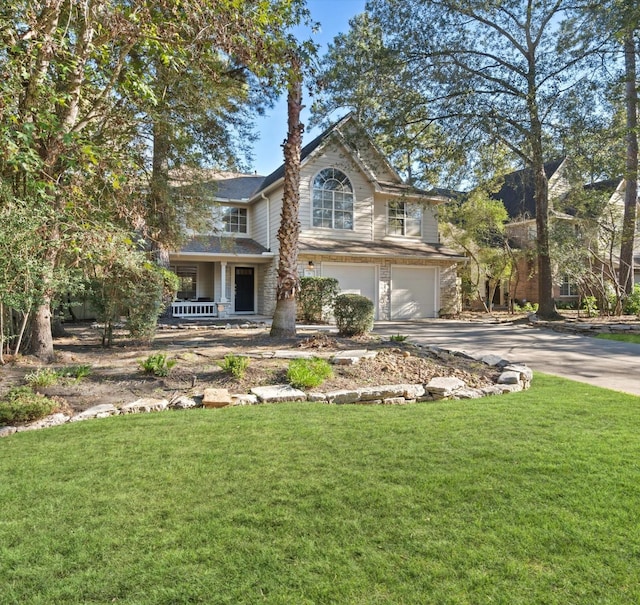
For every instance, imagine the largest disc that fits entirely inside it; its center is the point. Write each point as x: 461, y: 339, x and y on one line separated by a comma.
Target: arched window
x: 332, y: 200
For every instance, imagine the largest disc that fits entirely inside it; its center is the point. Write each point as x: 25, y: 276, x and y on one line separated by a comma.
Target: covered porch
x: 218, y: 285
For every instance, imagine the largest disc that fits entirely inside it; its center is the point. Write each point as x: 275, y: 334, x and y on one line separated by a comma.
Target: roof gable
x: 350, y: 134
x: 518, y: 190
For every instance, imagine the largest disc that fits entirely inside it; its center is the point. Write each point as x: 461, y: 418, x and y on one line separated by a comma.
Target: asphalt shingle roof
x: 517, y: 192
x: 374, y: 249
x: 216, y: 244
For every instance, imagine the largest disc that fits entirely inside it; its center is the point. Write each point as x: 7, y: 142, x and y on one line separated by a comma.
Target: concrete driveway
x: 603, y: 363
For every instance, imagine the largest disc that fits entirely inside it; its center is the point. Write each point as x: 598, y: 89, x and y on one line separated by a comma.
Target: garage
x: 414, y: 292
x: 354, y: 279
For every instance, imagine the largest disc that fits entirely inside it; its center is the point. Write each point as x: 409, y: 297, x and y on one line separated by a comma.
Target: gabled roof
x: 335, y: 130
x: 517, y: 192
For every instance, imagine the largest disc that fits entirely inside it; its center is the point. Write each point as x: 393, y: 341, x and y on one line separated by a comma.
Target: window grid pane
x: 332, y: 200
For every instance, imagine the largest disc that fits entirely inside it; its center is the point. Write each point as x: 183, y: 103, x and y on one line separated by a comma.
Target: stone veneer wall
x: 267, y: 279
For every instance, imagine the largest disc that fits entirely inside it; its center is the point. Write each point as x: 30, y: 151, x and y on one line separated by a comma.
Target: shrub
x: 590, y: 305
x: 632, y: 303
x: 308, y: 373
x: 42, y: 377
x: 77, y: 372
x: 316, y: 297
x: 21, y: 404
x: 235, y: 365
x: 157, y: 364
x: 398, y: 337
x: 354, y: 314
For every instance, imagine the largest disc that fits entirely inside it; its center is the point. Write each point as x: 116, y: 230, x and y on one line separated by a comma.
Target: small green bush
x: 236, y: 365
x: 590, y: 305
x: 632, y: 303
x: 77, y: 372
x: 398, y: 337
x: 308, y: 373
x: 43, y: 377
x: 21, y: 404
x: 354, y: 314
x: 316, y: 297
x: 157, y: 364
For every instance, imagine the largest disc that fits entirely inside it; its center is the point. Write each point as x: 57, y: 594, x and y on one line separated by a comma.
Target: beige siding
x: 429, y: 223
x: 259, y: 223
x: 335, y: 157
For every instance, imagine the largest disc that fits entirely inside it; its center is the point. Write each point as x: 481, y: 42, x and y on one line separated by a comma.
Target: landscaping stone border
x: 513, y: 377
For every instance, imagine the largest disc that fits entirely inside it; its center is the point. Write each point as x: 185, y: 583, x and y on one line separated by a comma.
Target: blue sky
x: 333, y: 16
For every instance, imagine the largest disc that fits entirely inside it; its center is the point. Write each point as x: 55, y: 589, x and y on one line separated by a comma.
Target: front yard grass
x: 521, y: 499
x: 635, y: 338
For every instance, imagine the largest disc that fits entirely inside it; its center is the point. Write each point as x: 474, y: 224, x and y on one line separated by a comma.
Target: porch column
x: 223, y: 282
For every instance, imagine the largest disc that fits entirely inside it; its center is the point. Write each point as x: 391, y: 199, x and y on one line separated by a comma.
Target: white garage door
x: 413, y: 292
x: 354, y: 279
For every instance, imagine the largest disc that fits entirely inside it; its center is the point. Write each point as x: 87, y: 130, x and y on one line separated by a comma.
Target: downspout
x: 264, y: 197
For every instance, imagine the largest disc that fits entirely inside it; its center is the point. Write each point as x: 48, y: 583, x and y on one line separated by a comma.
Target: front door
x: 245, y: 293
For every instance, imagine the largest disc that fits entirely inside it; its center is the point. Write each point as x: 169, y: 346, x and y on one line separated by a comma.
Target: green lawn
x: 635, y: 338
x: 521, y: 499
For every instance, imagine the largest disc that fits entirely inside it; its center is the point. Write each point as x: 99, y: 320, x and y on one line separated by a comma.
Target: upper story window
x: 234, y: 219
x: 332, y: 200
x: 404, y: 219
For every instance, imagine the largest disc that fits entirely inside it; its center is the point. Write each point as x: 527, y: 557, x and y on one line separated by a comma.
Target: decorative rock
x: 510, y: 388
x: 244, y: 399
x: 413, y: 391
x: 145, y: 404
x: 316, y: 396
x: 294, y: 355
x: 381, y: 392
x: 104, y: 410
x: 394, y: 401
x: 278, y: 393
x: 343, y: 396
x: 216, y: 398
x: 491, y: 390
x: 5, y: 431
x: 182, y: 403
x: 444, y: 386
x: 509, y: 377
x: 468, y: 394
x: 526, y: 373
x: 45, y: 423
x: 492, y: 360
x: 349, y: 358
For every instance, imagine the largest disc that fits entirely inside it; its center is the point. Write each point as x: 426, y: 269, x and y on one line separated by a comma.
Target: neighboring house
x: 614, y: 189
x: 359, y: 223
x: 517, y: 195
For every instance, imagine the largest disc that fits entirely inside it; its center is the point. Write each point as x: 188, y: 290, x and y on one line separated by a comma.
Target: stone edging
x: 514, y: 377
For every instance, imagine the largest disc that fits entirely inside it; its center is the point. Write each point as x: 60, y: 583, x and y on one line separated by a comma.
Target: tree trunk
x: 284, y: 319
x: 631, y: 172
x: 42, y: 339
x: 546, y: 303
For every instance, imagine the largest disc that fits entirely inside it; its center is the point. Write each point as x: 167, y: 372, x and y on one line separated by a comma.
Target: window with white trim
x: 568, y: 287
x: 332, y: 200
x: 404, y: 219
x: 187, y: 280
x: 234, y: 219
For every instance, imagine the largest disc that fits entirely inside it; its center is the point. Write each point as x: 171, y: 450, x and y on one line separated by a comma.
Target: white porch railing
x: 187, y: 308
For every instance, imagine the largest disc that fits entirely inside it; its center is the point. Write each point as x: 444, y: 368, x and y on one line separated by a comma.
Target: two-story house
x: 359, y: 223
